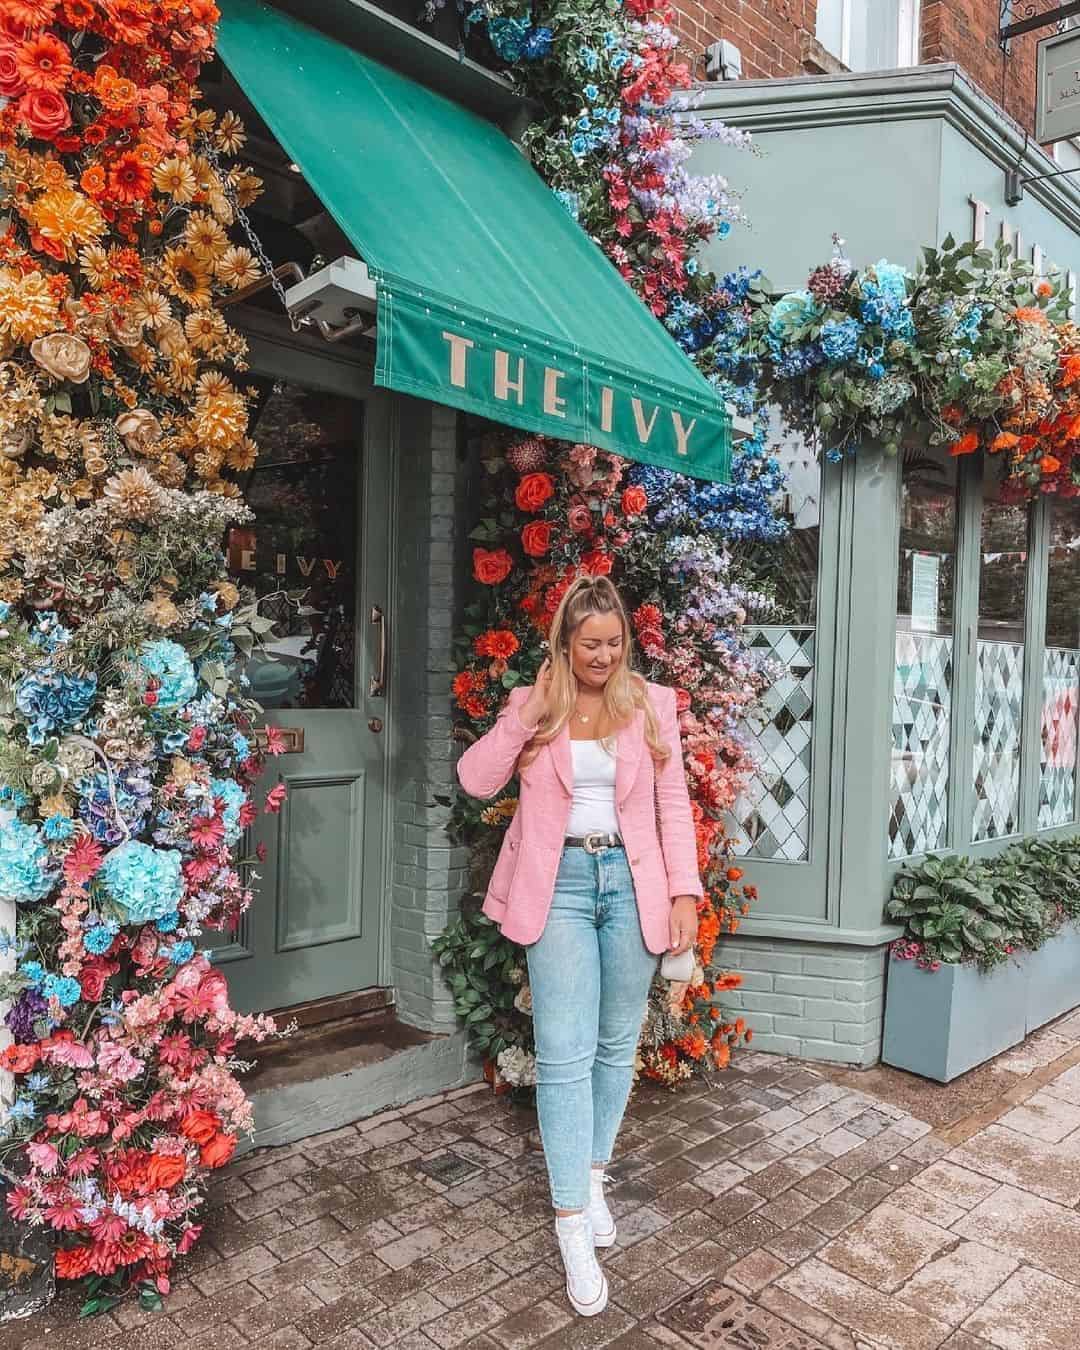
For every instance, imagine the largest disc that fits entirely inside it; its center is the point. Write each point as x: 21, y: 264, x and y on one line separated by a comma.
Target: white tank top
x: 593, y: 807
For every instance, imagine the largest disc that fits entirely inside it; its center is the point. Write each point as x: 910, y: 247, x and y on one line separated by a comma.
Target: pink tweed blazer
x: 662, y: 864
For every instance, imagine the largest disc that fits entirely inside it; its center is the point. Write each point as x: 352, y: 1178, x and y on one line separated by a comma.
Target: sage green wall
x: 876, y: 185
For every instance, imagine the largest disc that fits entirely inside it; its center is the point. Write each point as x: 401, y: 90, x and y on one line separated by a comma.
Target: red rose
x: 492, y: 565
x: 45, y: 113
x: 536, y: 538
x: 93, y: 976
x: 201, y: 1126
x: 11, y: 82
x: 533, y: 491
x: 634, y: 501
x: 652, y: 640
x: 218, y: 1151
x: 597, y: 563
x: 165, y: 1171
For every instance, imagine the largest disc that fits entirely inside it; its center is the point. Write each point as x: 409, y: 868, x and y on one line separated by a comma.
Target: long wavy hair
x: 624, y: 692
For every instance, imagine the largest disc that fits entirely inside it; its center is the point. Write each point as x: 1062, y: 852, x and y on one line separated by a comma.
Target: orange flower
x: 734, y: 874
x: 1070, y: 370
x: 44, y: 63
x: 966, y: 445
x: 92, y: 180
x: 1029, y: 314
x: 1049, y: 464
x: 1004, y: 440
x: 129, y: 179
x: 499, y: 643
x: 1044, y: 289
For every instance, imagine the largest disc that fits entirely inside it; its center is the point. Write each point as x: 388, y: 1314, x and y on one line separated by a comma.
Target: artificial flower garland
x: 127, y: 751
x: 972, y: 352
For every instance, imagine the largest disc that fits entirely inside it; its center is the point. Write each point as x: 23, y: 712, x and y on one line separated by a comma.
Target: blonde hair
x: 624, y: 692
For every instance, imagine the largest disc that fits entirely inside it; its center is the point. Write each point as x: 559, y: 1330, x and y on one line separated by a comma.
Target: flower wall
x: 549, y: 513
x: 127, y: 751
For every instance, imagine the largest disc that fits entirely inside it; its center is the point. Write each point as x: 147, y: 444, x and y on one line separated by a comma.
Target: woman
x: 591, y: 890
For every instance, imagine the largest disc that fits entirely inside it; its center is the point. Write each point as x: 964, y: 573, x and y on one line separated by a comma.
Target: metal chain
x: 214, y: 160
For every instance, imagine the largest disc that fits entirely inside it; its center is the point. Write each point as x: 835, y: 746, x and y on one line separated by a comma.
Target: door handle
x: 377, y: 683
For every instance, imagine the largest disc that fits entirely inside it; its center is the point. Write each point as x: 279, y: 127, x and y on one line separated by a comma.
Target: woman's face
x: 596, y: 648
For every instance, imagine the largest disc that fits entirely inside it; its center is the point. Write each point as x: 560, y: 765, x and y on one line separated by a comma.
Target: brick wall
x: 804, y: 999
x: 776, y: 39
x: 428, y: 873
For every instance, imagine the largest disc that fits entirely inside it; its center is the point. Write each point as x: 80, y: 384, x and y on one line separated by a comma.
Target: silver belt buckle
x: 594, y: 842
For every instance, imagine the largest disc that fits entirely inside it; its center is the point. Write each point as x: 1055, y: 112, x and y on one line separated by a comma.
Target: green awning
x: 490, y: 297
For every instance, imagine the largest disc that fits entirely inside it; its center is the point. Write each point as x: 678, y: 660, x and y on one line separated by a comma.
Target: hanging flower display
x: 972, y: 351
x: 127, y: 757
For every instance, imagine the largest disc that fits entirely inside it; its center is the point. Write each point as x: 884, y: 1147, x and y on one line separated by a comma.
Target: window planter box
x: 941, y: 1023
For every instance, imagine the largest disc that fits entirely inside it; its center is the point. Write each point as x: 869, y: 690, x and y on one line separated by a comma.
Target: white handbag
x: 678, y: 969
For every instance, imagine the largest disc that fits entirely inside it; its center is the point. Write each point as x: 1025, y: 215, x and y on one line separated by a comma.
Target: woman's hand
x: 684, y: 923
x: 536, y: 705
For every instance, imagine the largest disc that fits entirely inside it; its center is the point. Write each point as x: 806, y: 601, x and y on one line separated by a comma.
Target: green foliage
x: 981, y: 910
x: 484, y: 971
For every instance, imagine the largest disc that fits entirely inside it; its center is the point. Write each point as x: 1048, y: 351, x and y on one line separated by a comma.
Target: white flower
x: 523, y: 1000
x: 517, y: 1066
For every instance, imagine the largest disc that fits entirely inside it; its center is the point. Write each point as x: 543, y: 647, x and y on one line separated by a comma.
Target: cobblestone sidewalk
x: 778, y: 1211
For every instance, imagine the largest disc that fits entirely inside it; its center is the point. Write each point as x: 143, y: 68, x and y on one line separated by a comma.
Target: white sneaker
x: 603, y: 1225
x: 586, y: 1285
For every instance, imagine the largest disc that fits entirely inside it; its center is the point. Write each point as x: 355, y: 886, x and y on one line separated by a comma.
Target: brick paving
x: 775, y: 1211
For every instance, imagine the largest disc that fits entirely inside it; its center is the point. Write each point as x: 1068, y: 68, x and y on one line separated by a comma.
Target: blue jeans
x: 589, y: 973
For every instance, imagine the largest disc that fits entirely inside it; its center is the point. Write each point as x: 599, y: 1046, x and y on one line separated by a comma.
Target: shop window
x: 774, y: 812
x: 923, y: 677
x: 1061, y: 668
x: 999, y: 664
x: 300, y: 553
x: 870, y: 34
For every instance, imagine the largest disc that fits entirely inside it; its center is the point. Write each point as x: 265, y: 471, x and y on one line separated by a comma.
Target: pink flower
x: 66, y: 1213
x: 275, y: 741
x: 274, y: 798
x: 43, y: 1156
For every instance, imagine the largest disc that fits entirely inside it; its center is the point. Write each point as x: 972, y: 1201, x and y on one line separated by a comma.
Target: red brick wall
x: 766, y: 32
x: 776, y: 38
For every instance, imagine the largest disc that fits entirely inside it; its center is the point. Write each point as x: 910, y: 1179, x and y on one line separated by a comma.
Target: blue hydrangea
x: 840, y: 339
x: 13, y: 797
x: 5, y: 611
x: 48, y: 632
x: 98, y: 939
x: 538, y: 43
x: 171, y: 666
x: 144, y: 882
x: 62, y: 987
x: 241, y: 746
x: 571, y: 201
x: 797, y: 309
x: 33, y: 971
x: 968, y: 327
x: 168, y: 923
x: 234, y: 797
x: 508, y: 37
x: 180, y: 953
x: 58, y: 828
x: 133, y: 793
x: 51, y: 701
x: 26, y: 873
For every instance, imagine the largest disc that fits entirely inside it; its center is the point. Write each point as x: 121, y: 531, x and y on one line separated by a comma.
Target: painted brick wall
x: 809, y: 999
x: 776, y: 39
x: 428, y: 873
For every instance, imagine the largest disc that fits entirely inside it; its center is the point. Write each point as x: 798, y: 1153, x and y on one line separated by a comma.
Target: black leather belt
x: 593, y: 843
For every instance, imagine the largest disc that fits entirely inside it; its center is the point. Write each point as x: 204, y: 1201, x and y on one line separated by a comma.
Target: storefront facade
x: 363, y: 494
x: 931, y: 633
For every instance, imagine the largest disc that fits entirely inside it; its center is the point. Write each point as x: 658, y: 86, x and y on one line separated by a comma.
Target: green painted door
x: 317, y: 555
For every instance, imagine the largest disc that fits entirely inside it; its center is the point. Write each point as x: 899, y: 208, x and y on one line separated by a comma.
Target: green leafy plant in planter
x: 959, y: 909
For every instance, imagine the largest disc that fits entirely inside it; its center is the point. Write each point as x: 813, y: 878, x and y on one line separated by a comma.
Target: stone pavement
x: 775, y: 1211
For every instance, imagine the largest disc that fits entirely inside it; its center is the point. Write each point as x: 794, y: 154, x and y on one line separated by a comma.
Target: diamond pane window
x: 773, y: 813
x: 922, y: 682
x: 999, y: 666
x: 1061, y: 669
